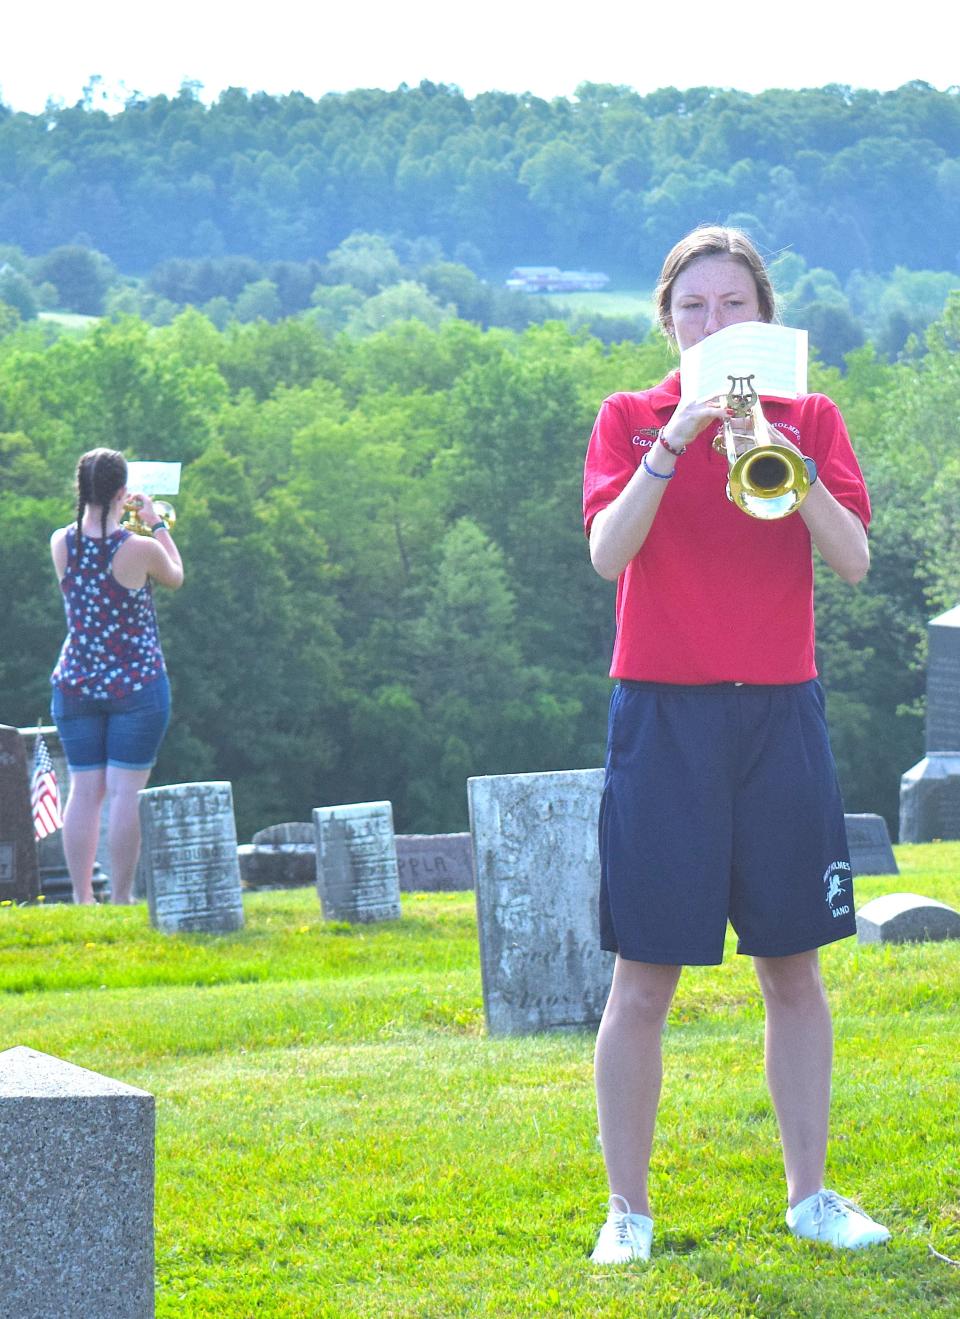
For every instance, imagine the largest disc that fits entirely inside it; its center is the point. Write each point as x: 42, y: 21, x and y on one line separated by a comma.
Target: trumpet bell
x: 132, y: 520
x: 768, y: 482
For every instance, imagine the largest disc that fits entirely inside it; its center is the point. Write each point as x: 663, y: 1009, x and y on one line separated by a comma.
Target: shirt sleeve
x: 611, y: 460
x: 837, y: 465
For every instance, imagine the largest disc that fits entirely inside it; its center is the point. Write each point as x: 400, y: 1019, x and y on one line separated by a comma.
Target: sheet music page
x: 154, y: 478
x: 775, y: 355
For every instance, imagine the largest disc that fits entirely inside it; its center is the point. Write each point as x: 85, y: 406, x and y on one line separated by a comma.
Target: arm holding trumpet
x: 153, y: 554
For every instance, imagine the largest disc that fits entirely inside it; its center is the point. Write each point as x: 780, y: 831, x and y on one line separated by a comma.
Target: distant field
x: 68, y: 320
x: 620, y: 303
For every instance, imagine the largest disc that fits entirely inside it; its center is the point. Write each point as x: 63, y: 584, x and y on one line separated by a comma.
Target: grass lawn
x: 338, y: 1136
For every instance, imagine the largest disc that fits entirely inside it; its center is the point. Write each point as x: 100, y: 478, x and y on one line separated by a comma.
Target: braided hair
x: 101, y: 474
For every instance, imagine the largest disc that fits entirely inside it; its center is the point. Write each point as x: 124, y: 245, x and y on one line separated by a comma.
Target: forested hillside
x: 849, y: 179
x: 388, y: 588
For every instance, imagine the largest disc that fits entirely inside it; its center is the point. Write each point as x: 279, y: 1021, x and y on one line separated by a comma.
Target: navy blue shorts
x: 123, y: 731
x: 721, y: 803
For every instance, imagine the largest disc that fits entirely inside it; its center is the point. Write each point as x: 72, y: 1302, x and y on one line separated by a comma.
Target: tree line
x: 850, y: 179
x: 388, y: 588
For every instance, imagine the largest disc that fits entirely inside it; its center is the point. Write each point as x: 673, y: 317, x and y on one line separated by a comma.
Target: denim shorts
x: 124, y: 732
x: 721, y: 803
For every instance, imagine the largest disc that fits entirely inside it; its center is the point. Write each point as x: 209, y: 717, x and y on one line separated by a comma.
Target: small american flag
x: 45, y: 795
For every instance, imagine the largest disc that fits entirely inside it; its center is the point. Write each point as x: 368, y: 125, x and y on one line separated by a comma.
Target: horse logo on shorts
x: 835, y: 876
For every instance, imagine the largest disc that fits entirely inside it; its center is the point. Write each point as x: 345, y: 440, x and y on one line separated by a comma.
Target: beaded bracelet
x: 661, y: 476
x: 677, y: 453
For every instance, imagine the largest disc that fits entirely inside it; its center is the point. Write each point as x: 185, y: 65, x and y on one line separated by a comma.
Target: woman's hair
x: 712, y: 240
x: 101, y: 475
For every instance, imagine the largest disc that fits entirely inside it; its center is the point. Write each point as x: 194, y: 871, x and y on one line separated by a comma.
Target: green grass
x: 338, y: 1136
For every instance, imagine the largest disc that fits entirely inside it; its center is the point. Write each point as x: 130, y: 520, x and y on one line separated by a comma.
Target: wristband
x: 661, y: 476
x: 677, y: 453
x: 159, y: 526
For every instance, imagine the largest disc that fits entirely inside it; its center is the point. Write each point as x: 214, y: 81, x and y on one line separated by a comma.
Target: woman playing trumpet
x: 111, y: 697
x: 720, y: 799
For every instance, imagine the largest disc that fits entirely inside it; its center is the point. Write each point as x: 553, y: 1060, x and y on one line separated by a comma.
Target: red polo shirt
x: 715, y: 595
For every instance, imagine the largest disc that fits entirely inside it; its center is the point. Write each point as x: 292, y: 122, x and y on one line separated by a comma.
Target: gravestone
x: 930, y: 790
x: 434, y: 862
x: 538, y: 880
x: 76, y: 1194
x: 906, y: 918
x: 189, y: 858
x: 19, y: 874
x: 279, y: 857
x: 357, y: 877
x: 871, y: 852
x: 55, y: 882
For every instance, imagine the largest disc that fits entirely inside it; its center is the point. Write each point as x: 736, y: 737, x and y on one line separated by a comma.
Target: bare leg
x: 123, y: 829
x: 629, y: 1070
x: 799, y: 1061
x: 81, y: 829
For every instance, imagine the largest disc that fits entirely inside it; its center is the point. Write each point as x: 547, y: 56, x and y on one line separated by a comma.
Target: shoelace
x: 829, y: 1202
x: 627, y: 1232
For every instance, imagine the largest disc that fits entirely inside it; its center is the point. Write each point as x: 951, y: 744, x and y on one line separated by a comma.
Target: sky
x: 50, y: 51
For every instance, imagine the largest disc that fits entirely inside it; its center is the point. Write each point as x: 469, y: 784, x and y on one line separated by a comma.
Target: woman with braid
x: 111, y: 698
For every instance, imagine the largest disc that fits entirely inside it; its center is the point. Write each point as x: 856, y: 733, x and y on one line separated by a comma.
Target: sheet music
x: 154, y: 478
x: 775, y: 355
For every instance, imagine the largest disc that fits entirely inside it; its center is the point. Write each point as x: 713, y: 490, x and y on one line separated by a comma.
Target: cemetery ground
x: 337, y: 1135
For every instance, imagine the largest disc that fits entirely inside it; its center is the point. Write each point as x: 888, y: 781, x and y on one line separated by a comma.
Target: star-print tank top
x: 113, y: 646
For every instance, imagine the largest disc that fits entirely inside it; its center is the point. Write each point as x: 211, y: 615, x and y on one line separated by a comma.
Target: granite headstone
x: 434, y: 862
x: 906, y: 918
x: 189, y: 858
x: 76, y: 1192
x: 19, y: 873
x: 871, y: 852
x: 357, y: 878
x: 537, y: 881
x: 930, y: 790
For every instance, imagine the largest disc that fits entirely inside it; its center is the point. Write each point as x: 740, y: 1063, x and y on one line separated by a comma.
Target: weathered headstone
x: 930, y: 791
x: 19, y: 873
x: 434, y: 862
x: 279, y: 857
x: 55, y: 882
x: 538, y: 878
x: 357, y: 877
x: 189, y: 858
x: 871, y: 852
x: 76, y: 1192
x: 906, y: 918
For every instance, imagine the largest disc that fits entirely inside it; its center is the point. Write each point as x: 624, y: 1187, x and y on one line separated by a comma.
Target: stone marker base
x: 906, y: 918
x: 930, y: 799
x: 76, y: 1192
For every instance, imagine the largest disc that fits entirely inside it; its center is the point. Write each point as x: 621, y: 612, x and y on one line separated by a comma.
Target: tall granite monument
x: 930, y: 791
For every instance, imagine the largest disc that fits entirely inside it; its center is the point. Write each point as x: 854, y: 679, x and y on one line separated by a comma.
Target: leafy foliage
x: 387, y: 584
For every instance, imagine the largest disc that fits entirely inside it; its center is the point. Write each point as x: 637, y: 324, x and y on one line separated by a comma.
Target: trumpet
x: 132, y: 520
x: 766, y: 480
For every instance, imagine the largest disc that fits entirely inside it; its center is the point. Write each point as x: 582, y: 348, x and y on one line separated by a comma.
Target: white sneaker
x: 831, y: 1218
x: 624, y: 1236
